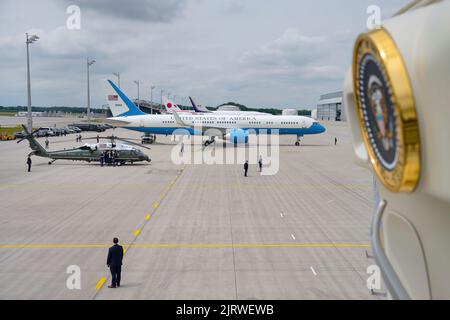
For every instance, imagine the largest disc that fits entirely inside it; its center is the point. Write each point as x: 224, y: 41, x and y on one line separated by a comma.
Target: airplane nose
x: 318, y: 128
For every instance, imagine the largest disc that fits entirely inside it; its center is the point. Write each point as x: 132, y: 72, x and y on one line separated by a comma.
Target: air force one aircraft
x: 235, y: 128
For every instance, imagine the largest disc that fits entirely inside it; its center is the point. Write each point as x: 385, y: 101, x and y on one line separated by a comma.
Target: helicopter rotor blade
x: 27, y: 133
x: 133, y: 143
x: 113, y: 138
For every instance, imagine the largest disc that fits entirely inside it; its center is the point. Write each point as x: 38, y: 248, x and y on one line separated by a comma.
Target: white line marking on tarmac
x: 313, y: 271
x: 293, y: 237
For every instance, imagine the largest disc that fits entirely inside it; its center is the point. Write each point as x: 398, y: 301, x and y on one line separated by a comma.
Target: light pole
x: 88, y: 64
x: 117, y: 74
x: 151, y: 93
x: 29, y: 41
x: 137, y: 83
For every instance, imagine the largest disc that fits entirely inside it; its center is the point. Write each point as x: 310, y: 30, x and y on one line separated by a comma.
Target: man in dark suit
x: 114, y: 263
x: 29, y: 163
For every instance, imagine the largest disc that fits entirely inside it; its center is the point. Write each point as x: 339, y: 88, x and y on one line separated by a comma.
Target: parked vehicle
x: 20, y: 135
x: 45, y: 132
x: 76, y: 129
x: 90, y: 127
x: 148, y: 139
x: 69, y: 130
x: 7, y: 137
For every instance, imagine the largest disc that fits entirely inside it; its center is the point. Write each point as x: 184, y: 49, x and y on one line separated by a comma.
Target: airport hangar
x: 330, y: 108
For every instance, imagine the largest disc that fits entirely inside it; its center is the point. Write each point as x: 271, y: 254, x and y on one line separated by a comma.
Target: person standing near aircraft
x: 335, y: 140
x: 245, y: 168
x: 98, y: 139
x: 102, y: 159
x: 113, y: 158
x: 260, y: 163
x: 46, y: 143
x: 114, y: 263
x: 29, y: 163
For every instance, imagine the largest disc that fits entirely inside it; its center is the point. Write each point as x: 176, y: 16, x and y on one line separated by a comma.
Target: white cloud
x: 144, y: 10
x: 233, y: 7
x: 283, y: 53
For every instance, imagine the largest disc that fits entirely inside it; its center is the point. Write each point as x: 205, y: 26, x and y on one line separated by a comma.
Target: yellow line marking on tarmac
x: 187, y: 246
x: 100, y: 283
x: 125, y: 246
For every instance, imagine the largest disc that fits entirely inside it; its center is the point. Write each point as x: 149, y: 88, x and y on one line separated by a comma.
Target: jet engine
x: 238, y: 136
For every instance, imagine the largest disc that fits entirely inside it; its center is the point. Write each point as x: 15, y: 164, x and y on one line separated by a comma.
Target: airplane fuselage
x: 167, y: 124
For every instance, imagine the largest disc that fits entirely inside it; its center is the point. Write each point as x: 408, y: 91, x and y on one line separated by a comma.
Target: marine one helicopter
x: 120, y: 152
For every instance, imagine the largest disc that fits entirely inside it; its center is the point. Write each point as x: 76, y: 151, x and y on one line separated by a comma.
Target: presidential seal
x: 386, y: 111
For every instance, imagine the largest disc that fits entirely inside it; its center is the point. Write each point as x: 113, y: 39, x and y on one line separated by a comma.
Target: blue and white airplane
x: 233, y: 127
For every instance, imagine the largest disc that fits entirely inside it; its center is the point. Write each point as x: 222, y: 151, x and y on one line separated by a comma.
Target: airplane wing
x: 179, y: 121
x: 116, y: 122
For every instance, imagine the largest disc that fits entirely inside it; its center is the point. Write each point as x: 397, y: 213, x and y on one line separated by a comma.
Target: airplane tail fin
x: 198, y: 108
x: 170, y: 106
x: 118, y: 102
x: 38, y: 150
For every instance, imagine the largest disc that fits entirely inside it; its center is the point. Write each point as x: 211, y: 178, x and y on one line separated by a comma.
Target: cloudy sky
x: 261, y: 53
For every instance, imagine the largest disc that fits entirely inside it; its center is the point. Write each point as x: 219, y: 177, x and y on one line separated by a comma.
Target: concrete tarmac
x: 191, y: 231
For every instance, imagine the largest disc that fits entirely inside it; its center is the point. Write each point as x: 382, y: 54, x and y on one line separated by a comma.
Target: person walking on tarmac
x: 114, y: 263
x: 98, y: 139
x: 29, y: 163
x: 46, y: 143
x: 260, y: 163
x: 245, y: 168
x: 335, y: 140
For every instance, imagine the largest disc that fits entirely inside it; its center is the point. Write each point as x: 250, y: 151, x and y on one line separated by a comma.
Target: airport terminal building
x: 329, y: 107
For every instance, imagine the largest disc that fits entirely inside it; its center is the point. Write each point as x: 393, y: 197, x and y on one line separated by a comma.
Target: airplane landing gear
x: 211, y: 140
x: 50, y: 162
x: 299, y: 139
